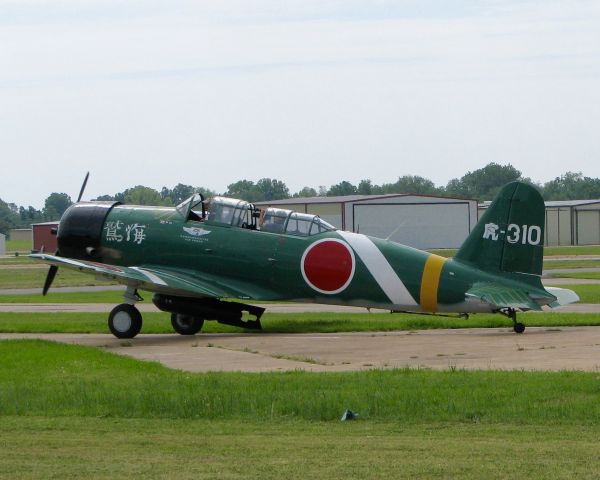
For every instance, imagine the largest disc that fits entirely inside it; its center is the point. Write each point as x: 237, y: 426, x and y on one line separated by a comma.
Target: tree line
x: 482, y: 184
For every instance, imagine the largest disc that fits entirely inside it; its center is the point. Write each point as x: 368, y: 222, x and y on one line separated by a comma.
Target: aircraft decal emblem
x: 328, y: 266
x: 113, y: 230
x: 491, y: 231
x: 134, y: 233
x: 195, y: 231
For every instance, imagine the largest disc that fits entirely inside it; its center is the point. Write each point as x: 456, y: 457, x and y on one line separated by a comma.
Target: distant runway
x: 563, y: 348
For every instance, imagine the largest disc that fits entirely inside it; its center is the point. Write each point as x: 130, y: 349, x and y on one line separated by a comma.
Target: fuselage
x: 331, y: 266
x: 196, y: 256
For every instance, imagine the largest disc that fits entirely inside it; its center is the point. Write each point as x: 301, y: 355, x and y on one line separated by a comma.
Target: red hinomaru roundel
x: 328, y: 266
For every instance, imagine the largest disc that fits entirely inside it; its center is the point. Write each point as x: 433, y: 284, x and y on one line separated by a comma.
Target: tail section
x: 509, y: 237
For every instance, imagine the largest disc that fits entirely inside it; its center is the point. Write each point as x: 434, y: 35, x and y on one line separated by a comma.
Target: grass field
x: 51, y: 379
x: 16, y: 260
x: 574, y: 250
x: 548, y: 251
x: 34, y: 277
x: 554, y: 264
x: 105, y: 448
x: 159, y: 322
x: 101, y: 296
x: 21, y: 246
x: 71, y: 411
x: 587, y: 293
x: 580, y: 275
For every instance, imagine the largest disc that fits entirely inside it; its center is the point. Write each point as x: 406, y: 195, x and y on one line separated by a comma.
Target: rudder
x: 509, y: 237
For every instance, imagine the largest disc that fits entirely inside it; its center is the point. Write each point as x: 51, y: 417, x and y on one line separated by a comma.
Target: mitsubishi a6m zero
x: 195, y: 256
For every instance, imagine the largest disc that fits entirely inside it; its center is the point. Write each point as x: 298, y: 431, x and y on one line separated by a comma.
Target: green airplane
x: 199, y: 253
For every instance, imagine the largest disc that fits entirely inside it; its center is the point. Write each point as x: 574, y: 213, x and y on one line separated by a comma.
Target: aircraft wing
x: 162, y: 279
x: 505, y: 297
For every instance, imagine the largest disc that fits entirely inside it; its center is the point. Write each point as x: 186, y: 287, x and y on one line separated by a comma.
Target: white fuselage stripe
x: 151, y: 276
x: 380, y: 268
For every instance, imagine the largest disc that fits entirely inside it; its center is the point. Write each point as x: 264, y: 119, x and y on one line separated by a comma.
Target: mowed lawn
x: 579, y: 275
x: 33, y: 277
x: 548, y: 251
x: 109, y: 448
x: 72, y: 412
x: 21, y: 246
x: 159, y: 322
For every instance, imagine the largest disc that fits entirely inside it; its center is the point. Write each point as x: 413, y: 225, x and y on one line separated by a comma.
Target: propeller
x: 87, y: 175
x: 49, y: 278
x: 53, y: 268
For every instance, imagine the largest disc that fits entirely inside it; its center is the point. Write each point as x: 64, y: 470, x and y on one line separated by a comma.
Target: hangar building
x: 43, y: 238
x: 573, y: 222
x: 22, y: 234
x: 420, y: 221
x: 569, y: 222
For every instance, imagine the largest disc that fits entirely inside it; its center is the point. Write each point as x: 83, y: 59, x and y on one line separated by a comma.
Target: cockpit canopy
x: 230, y: 211
x: 242, y: 214
x: 192, y: 208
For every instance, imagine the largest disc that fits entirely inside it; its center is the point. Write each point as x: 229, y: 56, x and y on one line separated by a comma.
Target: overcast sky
x: 309, y: 92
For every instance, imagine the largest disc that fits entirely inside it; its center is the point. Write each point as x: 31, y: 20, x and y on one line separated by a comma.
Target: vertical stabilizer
x: 509, y: 237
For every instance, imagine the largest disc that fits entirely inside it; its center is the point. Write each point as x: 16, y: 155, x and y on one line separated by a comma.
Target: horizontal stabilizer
x: 563, y: 296
x: 503, y: 297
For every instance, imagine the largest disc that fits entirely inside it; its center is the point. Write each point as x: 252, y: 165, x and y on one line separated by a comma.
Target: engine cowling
x: 80, y: 229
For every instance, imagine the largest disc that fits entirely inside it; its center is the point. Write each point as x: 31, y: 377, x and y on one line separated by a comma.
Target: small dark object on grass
x: 349, y: 415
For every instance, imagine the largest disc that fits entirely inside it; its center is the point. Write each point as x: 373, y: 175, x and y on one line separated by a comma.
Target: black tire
x: 186, y: 324
x: 519, y: 327
x: 125, y: 321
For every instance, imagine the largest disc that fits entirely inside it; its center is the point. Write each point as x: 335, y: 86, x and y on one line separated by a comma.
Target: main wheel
x: 519, y: 327
x: 125, y: 321
x: 186, y: 324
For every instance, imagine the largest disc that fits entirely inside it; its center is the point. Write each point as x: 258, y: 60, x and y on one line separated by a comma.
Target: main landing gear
x: 125, y: 321
x: 187, y: 314
x: 511, y: 313
x: 186, y: 324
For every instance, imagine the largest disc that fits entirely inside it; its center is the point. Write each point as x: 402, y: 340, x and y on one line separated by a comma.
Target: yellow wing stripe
x: 430, y: 282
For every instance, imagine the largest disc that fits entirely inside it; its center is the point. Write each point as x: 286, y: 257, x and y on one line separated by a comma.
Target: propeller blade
x: 87, y: 175
x: 49, y: 278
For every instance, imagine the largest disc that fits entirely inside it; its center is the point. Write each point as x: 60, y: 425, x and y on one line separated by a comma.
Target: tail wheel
x: 186, y: 324
x: 125, y: 321
x: 518, y: 327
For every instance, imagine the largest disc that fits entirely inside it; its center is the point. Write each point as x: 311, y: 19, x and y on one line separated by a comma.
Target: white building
x: 420, y: 221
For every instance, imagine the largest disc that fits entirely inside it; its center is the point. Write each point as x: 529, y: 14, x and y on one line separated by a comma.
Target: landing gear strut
x: 511, y: 313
